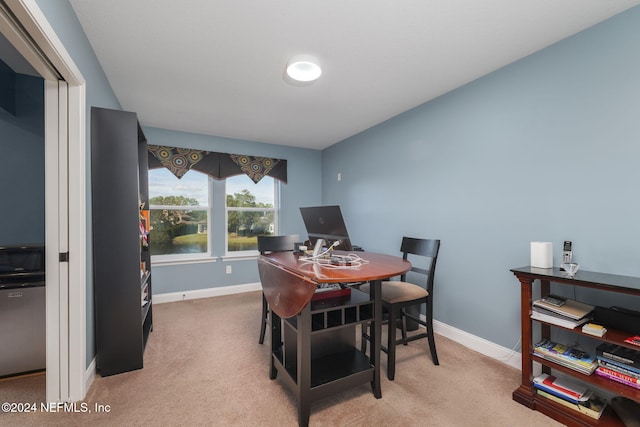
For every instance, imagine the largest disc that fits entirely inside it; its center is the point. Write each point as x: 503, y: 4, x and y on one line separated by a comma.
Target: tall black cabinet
x: 121, y: 257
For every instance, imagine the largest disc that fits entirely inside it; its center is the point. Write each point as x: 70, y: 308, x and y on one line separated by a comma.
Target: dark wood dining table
x: 316, y: 352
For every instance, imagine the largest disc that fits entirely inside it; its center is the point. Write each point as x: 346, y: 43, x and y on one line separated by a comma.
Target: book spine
x: 569, y: 324
x: 619, y: 365
x: 618, y: 368
x: 621, y: 375
x: 558, y: 399
x: 614, y: 378
x: 575, y: 406
x: 585, y: 365
x: 578, y: 367
x: 626, y: 360
x: 549, y: 390
x: 586, y: 362
x: 550, y: 382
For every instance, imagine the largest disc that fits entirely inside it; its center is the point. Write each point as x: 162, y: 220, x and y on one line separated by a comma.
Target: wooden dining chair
x: 268, y: 244
x: 398, y: 295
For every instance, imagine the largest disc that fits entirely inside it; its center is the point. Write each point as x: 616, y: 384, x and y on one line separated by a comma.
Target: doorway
x: 26, y: 29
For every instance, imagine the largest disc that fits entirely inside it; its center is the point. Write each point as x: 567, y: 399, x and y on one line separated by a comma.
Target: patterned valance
x: 178, y: 160
x: 254, y: 167
x: 217, y: 165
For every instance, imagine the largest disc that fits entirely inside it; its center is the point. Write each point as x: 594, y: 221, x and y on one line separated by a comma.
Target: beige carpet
x: 204, y: 366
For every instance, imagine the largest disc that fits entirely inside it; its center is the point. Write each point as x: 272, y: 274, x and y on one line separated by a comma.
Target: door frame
x: 25, y: 26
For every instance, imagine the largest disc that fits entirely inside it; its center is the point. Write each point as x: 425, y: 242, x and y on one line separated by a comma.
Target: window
x: 184, y: 211
x: 179, y: 211
x: 251, y: 211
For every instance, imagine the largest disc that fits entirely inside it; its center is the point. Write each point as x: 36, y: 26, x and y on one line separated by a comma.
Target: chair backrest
x: 285, y: 243
x: 427, y: 248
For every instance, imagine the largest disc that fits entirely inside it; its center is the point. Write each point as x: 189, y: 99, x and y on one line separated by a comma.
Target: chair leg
x: 432, y: 342
x: 391, y: 343
x: 263, y: 324
x: 276, y: 341
x: 404, y: 328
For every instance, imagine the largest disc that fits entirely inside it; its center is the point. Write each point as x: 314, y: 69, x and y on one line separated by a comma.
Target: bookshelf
x: 121, y: 256
x: 526, y: 394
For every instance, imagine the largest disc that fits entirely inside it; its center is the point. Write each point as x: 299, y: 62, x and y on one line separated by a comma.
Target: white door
x: 56, y: 239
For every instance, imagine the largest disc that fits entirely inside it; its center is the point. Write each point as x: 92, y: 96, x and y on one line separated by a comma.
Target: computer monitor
x: 326, y: 222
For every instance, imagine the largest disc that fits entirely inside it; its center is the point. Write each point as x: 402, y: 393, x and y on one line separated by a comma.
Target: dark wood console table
x: 525, y: 393
x: 316, y: 353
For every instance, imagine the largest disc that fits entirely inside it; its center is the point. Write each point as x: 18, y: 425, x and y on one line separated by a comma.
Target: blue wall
x: 544, y: 149
x: 302, y: 189
x: 22, y: 171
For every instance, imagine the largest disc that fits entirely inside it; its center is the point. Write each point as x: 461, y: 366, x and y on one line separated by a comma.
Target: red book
x: 635, y: 340
x: 616, y: 378
x: 621, y: 375
x: 331, y: 294
x: 552, y: 382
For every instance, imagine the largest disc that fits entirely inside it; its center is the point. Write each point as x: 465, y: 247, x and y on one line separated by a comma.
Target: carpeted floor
x: 204, y: 367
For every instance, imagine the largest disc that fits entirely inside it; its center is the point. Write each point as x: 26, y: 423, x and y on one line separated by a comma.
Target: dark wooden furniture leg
x: 391, y: 342
x: 263, y: 320
x: 304, y: 366
x: 376, y: 336
x: 524, y: 393
x: 276, y: 342
x: 432, y: 341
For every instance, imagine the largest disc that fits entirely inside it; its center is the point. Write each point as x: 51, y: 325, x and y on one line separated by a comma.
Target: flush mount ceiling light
x: 303, y: 68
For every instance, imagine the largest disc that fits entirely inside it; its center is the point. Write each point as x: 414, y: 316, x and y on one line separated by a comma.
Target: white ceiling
x: 215, y: 66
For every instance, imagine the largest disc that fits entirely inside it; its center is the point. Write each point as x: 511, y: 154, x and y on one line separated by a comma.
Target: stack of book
x: 619, y: 364
x: 569, y: 315
x: 570, y: 394
x: 594, y: 329
x: 564, y: 355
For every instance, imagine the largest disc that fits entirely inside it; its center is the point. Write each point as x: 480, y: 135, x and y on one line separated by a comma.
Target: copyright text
x: 67, y: 407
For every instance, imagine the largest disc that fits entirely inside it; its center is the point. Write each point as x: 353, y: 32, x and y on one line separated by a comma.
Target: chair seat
x: 398, y: 295
x: 395, y: 291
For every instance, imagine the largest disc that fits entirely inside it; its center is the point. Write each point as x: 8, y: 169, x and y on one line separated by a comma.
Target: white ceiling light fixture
x: 303, y: 68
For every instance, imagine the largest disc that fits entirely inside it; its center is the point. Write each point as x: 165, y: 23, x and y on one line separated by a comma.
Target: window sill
x: 179, y: 261
x: 204, y: 259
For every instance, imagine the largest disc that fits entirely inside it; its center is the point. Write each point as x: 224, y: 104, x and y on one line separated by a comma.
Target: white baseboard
x: 488, y: 348
x: 206, y: 293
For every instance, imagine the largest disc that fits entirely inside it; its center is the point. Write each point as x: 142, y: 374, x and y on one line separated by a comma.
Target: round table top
x: 364, y: 267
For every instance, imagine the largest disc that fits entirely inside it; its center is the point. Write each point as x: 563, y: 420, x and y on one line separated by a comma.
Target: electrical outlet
x: 229, y: 269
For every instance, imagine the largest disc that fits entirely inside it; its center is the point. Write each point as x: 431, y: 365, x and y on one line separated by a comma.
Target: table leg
x: 376, y: 336
x: 276, y: 341
x: 304, y: 366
